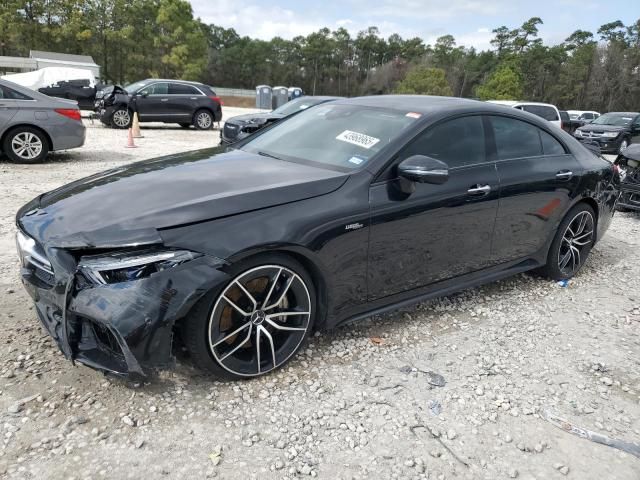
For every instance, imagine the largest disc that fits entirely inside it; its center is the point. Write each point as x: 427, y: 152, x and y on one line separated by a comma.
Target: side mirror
x: 423, y: 169
x: 142, y: 94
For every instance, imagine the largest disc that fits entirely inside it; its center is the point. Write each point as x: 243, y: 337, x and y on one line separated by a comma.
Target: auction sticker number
x: 360, y: 139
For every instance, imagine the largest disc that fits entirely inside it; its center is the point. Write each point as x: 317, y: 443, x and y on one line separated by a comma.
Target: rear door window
x: 515, y: 138
x: 548, y: 113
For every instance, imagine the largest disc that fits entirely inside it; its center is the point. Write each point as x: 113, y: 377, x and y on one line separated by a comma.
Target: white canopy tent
x: 49, y: 76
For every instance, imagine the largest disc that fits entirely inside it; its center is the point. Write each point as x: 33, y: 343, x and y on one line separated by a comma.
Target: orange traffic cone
x: 130, y: 143
x: 136, y: 126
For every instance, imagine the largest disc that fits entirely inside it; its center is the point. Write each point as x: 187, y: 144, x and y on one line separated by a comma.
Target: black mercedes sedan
x: 241, y: 126
x: 370, y: 204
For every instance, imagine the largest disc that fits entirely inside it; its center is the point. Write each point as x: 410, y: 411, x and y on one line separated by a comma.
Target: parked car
x: 543, y: 110
x: 585, y: 116
x: 33, y: 124
x: 613, y: 131
x: 566, y: 122
x: 79, y: 90
x: 240, y: 127
x: 345, y: 210
x: 628, y: 162
x: 157, y: 100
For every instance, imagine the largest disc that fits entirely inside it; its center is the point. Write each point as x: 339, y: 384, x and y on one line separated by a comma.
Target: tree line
x: 135, y: 39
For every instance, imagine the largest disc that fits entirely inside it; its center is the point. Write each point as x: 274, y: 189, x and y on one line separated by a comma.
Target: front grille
x: 592, y: 134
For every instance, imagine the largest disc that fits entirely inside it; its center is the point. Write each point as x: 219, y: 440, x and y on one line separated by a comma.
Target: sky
x: 469, y: 21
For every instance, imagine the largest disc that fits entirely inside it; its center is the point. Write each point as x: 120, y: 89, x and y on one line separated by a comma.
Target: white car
x: 586, y: 115
x: 545, y: 110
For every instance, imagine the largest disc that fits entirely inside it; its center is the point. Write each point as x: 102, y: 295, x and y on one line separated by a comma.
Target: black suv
x: 156, y: 100
x: 613, y: 131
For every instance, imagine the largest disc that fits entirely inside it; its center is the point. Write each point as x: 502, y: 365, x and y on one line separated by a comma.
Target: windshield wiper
x: 265, y: 154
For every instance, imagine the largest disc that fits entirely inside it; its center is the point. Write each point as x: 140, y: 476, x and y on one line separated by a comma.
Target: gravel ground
x: 453, y: 388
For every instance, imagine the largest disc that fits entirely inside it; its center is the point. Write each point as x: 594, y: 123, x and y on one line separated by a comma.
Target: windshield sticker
x: 413, y: 115
x: 359, y: 139
x: 356, y: 160
x: 626, y: 118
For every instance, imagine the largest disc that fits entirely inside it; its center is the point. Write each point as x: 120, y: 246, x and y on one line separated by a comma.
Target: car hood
x: 589, y: 127
x: 256, y: 118
x: 128, y: 205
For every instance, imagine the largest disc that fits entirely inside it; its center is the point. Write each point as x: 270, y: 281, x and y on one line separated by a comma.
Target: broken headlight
x: 125, y: 267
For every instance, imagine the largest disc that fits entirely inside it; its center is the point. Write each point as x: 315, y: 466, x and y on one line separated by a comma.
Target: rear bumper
x: 125, y: 329
x: 67, y: 134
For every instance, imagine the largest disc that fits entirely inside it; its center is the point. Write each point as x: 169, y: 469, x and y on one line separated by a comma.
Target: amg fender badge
x: 353, y: 226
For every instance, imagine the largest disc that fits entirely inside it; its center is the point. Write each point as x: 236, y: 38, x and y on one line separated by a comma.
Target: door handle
x: 564, y: 175
x: 479, y: 190
x: 164, y: 99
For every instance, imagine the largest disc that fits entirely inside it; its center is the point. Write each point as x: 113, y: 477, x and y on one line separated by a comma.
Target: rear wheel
x: 203, y: 120
x: 121, y: 118
x: 256, y: 322
x: 572, y: 243
x: 26, y: 145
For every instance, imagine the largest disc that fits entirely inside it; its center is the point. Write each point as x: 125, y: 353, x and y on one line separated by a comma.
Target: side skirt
x: 440, y: 289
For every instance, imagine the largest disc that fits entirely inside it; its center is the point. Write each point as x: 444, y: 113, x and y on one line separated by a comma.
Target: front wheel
x: 121, y: 118
x: 573, y: 242
x: 256, y: 322
x: 25, y: 145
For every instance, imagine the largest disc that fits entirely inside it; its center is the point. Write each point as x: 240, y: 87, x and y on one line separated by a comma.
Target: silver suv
x: 33, y: 124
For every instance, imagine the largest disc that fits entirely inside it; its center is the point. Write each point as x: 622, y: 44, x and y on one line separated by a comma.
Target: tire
x: 623, y: 145
x: 121, y: 118
x: 572, y: 243
x: 26, y: 145
x: 203, y: 120
x: 185, y: 125
x: 230, y: 345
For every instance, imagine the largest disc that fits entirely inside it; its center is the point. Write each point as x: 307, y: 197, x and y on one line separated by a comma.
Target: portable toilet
x: 263, y: 97
x: 294, y: 92
x: 280, y: 96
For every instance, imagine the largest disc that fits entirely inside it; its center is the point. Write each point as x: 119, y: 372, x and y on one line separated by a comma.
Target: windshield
x: 615, y: 119
x: 296, y: 105
x: 343, y: 136
x: 133, y: 87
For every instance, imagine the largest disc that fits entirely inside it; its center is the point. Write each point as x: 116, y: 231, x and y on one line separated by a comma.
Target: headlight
x: 578, y: 133
x: 30, y: 252
x: 125, y: 267
x: 610, y: 134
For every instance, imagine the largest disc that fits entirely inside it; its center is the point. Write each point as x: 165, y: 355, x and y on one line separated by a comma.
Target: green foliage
x: 425, y: 81
x: 135, y: 39
x: 503, y: 84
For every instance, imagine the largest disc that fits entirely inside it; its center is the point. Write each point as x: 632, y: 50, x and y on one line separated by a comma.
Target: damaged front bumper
x: 124, y: 328
x: 629, y: 196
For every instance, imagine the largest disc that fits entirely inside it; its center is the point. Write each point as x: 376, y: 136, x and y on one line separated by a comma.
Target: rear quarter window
x: 7, y: 93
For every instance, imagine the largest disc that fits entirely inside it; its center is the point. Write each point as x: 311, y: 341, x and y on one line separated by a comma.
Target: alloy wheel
x: 576, y: 241
x: 121, y: 118
x: 204, y: 120
x: 26, y: 145
x: 259, y: 320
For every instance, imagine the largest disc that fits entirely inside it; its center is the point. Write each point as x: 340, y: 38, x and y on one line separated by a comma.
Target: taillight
x: 217, y: 99
x: 72, y: 113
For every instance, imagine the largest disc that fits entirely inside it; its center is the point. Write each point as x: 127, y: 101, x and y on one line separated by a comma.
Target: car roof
x: 414, y: 103
x: 189, y: 82
x: 624, y: 113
